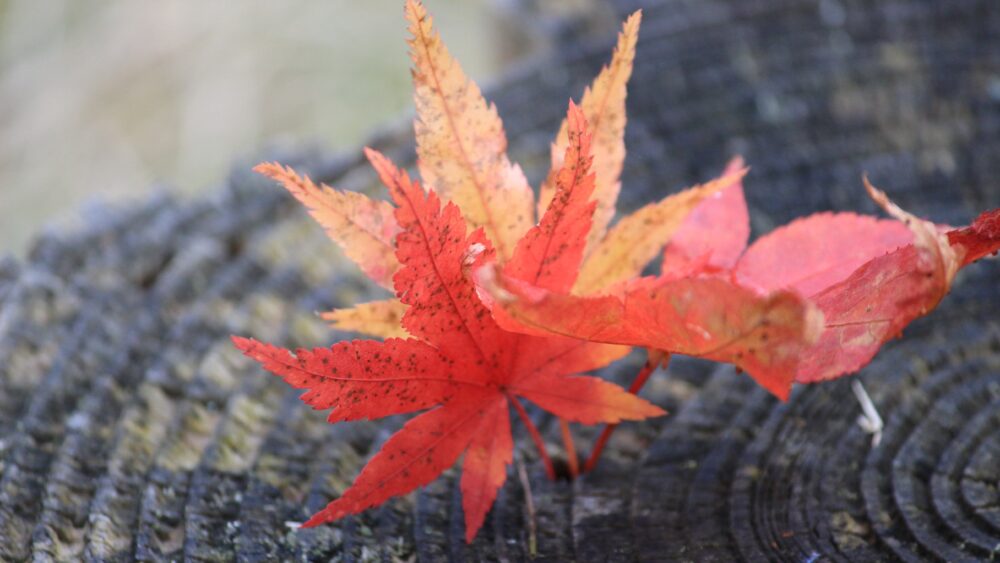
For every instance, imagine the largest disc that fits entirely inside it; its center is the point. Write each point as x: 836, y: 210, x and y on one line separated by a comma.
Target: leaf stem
x: 529, y: 504
x: 574, y: 463
x: 535, y: 436
x: 653, y: 360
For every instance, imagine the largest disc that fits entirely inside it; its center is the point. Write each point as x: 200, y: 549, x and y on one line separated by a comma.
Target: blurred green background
x: 111, y: 99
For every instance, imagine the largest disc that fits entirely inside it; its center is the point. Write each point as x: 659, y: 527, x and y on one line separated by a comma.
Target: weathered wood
x: 131, y: 430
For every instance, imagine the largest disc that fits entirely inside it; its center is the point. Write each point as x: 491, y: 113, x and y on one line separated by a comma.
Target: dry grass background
x: 108, y: 99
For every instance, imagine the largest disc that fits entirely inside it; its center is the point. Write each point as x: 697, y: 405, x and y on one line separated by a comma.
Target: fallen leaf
x: 884, y: 295
x: 460, y: 364
x: 869, y: 278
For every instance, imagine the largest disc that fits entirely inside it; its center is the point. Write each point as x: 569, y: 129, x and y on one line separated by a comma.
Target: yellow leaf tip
x: 633, y: 20
x: 413, y: 7
x: 629, y: 34
x: 416, y: 14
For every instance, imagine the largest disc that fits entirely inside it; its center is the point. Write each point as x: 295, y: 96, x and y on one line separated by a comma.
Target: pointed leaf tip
x: 375, y: 318
x: 241, y: 342
x: 880, y: 298
x: 266, y: 168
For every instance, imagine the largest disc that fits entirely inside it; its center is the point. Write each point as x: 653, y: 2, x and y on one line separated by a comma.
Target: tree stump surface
x: 130, y: 429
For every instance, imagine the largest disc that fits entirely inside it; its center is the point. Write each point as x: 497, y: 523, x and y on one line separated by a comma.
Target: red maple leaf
x: 851, y: 282
x: 869, y: 277
x: 461, y: 364
x: 461, y: 150
x: 876, y: 301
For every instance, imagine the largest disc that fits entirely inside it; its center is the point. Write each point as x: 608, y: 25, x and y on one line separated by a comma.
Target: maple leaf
x: 869, y: 277
x: 443, y: 351
x: 854, y: 283
x: 461, y: 364
x: 885, y: 294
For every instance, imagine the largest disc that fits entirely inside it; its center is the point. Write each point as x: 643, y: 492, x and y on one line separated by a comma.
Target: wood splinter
x: 869, y: 419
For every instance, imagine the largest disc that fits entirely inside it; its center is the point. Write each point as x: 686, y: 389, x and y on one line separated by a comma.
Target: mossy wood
x: 131, y: 429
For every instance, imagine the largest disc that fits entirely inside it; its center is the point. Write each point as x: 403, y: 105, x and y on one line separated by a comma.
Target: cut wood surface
x: 131, y: 429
